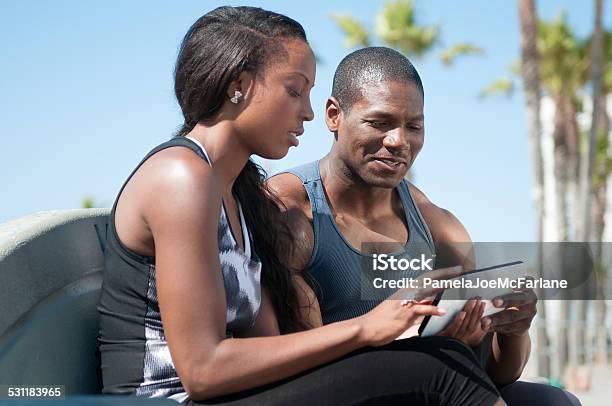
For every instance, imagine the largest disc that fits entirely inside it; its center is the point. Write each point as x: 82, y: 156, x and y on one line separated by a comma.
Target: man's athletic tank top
x: 335, y: 266
x: 135, y: 358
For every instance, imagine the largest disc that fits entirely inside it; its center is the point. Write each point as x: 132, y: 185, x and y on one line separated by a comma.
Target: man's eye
x: 414, y: 127
x: 377, y: 124
x: 294, y: 93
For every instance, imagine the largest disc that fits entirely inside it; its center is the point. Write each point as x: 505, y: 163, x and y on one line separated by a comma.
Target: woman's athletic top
x: 135, y: 358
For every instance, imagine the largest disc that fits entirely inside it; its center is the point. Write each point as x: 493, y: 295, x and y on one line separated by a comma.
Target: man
x: 357, y: 194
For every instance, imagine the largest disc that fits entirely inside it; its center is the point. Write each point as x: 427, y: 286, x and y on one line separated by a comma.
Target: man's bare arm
x: 509, y: 354
x: 453, y: 243
x: 289, y: 189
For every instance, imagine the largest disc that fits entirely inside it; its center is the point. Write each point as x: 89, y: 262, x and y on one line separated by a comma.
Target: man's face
x: 381, y: 135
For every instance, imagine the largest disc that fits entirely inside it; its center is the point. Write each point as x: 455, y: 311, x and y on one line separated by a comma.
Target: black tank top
x: 135, y: 358
x: 335, y: 266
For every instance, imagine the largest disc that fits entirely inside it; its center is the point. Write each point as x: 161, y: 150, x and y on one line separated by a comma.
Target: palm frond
x: 449, y: 55
x: 356, y: 34
x: 501, y: 86
x: 397, y: 27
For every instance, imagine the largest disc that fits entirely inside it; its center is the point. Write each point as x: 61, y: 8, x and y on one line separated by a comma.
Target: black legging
x: 522, y: 393
x: 415, y: 371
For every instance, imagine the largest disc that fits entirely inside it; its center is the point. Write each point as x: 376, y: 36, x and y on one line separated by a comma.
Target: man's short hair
x: 370, y: 66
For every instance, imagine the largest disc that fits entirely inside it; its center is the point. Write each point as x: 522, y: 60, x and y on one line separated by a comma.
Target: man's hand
x: 467, y: 325
x: 515, y: 320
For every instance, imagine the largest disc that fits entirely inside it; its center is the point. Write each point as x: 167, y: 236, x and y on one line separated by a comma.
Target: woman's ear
x: 332, y: 114
x: 241, y: 88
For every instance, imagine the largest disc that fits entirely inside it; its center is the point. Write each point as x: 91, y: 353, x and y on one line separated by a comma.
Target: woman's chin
x: 278, y: 154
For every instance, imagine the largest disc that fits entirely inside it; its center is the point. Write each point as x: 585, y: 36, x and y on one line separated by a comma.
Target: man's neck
x: 348, y: 193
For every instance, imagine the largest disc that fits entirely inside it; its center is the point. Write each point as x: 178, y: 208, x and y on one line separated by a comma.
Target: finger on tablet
x: 514, y: 299
x: 472, y: 309
x: 475, y: 315
x: 429, y: 293
x: 455, y: 327
x: 427, y: 310
x: 509, y: 316
x: 485, y: 323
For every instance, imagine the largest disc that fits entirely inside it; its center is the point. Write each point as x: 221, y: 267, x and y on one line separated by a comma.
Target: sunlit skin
x: 379, y: 138
x: 281, y: 92
x: 376, y: 142
x: 170, y: 209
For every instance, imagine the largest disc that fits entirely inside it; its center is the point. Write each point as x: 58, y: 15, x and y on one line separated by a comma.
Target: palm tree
x: 585, y: 208
x: 562, y: 70
x: 595, y: 173
x: 563, y: 64
x: 396, y: 26
x: 562, y: 67
x: 597, y: 83
x: 531, y: 86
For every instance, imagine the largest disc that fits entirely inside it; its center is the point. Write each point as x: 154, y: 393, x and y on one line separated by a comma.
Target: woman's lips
x: 294, y: 140
x: 293, y: 136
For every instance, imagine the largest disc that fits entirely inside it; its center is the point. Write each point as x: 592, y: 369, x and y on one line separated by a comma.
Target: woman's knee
x: 521, y: 393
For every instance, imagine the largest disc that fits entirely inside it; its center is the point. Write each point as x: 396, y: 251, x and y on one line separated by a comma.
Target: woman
x: 196, y: 241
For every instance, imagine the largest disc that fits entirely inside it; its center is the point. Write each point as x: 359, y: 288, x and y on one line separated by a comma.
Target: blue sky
x: 87, y: 92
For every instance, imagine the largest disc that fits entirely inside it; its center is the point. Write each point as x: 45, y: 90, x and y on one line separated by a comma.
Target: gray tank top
x: 334, y: 270
x: 135, y: 357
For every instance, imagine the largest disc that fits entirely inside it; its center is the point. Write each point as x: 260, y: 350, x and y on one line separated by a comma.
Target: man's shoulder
x: 425, y: 206
x: 443, y: 225
x: 305, y: 172
x: 288, y: 185
x: 417, y: 195
x: 289, y: 189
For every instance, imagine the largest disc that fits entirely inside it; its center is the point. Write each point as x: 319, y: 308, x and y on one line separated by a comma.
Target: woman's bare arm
x: 183, y: 220
x: 266, y: 323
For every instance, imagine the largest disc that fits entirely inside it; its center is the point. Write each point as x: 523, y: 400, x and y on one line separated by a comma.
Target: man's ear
x: 244, y: 84
x: 332, y: 114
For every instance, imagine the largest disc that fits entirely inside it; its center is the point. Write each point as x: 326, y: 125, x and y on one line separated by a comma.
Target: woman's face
x: 278, y: 103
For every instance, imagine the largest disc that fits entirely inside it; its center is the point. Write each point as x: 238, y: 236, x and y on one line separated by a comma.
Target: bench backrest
x: 50, y: 277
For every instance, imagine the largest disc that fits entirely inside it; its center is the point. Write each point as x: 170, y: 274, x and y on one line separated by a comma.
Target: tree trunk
x: 586, y: 184
x: 600, y: 203
x: 566, y: 174
x: 578, y: 348
x: 599, y: 211
x: 587, y: 165
x: 572, y: 140
x: 531, y: 87
x: 561, y: 167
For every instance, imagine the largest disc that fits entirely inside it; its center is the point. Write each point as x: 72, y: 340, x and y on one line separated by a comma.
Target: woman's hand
x: 391, y: 318
x: 467, y: 325
x: 404, y: 309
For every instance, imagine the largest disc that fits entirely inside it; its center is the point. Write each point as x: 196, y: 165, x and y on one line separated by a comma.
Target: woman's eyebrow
x: 418, y: 117
x: 302, y: 75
